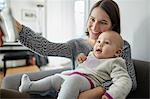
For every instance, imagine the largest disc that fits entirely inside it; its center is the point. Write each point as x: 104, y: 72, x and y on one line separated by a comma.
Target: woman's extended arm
x: 95, y: 93
x: 42, y: 46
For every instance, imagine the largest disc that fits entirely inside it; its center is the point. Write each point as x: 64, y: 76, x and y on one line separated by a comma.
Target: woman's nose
x: 96, y: 27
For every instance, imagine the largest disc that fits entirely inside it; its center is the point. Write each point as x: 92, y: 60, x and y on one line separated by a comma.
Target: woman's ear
x: 118, y: 53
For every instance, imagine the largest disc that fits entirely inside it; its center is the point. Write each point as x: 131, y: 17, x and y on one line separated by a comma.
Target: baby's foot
x: 25, y: 83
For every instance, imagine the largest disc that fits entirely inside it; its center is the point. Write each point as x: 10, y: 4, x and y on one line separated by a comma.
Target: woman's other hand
x: 95, y: 93
x: 104, y: 97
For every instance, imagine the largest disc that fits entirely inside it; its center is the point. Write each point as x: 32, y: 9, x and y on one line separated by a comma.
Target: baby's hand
x: 81, y: 58
x: 104, y: 97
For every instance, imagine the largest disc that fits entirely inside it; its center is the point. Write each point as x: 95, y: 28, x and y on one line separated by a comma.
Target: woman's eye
x: 92, y: 19
x: 103, y: 23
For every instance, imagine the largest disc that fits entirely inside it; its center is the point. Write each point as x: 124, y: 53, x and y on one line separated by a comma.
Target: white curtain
x: 60, y: 20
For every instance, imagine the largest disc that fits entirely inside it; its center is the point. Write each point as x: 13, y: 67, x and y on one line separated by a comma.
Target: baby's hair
x: 118, y: 37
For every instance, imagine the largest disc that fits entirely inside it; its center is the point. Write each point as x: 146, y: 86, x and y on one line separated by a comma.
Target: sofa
x: 142, y: 69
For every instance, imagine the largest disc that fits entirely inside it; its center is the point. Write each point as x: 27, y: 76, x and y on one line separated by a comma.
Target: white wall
x: 135, y: 26
x: 149, y: 30
x: 135, y: 23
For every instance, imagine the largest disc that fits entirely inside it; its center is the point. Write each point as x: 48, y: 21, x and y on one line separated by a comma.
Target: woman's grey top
x: 69, y: 49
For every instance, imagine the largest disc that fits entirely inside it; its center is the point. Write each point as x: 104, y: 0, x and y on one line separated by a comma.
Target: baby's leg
x: 52, y: 82
x: 72, y: 86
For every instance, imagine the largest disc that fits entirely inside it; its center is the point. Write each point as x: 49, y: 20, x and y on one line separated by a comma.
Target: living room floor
x: 1, y: 77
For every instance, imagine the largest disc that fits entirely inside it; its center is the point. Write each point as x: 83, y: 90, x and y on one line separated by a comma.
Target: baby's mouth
x: 98, y: 50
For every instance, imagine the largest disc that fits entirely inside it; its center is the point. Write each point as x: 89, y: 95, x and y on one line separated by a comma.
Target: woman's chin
x: 94, y: 37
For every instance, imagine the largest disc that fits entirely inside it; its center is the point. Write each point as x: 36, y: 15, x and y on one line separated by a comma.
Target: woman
x: 103, y: 16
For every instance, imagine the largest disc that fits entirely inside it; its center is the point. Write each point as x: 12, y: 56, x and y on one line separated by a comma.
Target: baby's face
x: 108, y: 45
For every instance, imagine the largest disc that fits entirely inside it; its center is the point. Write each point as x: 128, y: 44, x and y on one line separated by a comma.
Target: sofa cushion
x: 142, y: 69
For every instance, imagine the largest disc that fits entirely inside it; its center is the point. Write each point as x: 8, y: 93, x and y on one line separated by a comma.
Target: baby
x: 102, y: 64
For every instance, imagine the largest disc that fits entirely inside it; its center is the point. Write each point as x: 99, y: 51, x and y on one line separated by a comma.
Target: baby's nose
x: 101, y: 44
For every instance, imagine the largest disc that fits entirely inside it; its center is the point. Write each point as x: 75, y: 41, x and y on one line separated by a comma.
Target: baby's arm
x: 122, y: 82
x: 81, y: 58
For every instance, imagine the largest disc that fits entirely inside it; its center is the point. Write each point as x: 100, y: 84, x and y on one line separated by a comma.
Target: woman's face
x: 98, y: 22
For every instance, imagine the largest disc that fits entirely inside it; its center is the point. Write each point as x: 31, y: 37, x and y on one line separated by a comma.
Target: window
x: 2, y: 4
x: 79, y: 7
x: 65, y: 19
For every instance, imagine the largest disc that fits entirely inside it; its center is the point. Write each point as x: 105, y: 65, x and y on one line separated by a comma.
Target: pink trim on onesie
x: 84, y: 75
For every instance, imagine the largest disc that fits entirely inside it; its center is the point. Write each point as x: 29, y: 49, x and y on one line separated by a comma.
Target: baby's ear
x: 118, y: 53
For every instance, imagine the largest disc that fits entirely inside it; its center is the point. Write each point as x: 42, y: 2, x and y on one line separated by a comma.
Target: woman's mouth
x: 96, y: 33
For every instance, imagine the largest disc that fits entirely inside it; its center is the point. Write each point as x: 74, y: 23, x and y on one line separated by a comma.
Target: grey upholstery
x: 142, y: 70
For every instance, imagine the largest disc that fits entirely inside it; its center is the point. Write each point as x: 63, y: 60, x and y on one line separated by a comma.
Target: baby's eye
x: 98, y: 41
x: 107, y: 42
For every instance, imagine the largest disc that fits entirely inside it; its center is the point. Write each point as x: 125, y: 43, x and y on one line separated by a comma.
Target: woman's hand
x: 95, y: 93
x: 18, y: 26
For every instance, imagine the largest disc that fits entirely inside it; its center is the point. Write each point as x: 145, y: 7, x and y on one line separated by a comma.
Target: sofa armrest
x: 142, y: 69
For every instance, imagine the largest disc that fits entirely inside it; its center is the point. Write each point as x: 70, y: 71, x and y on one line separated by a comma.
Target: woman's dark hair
x: 112, y: 9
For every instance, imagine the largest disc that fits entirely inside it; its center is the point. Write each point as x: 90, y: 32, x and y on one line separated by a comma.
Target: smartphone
x: 7, y: 21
